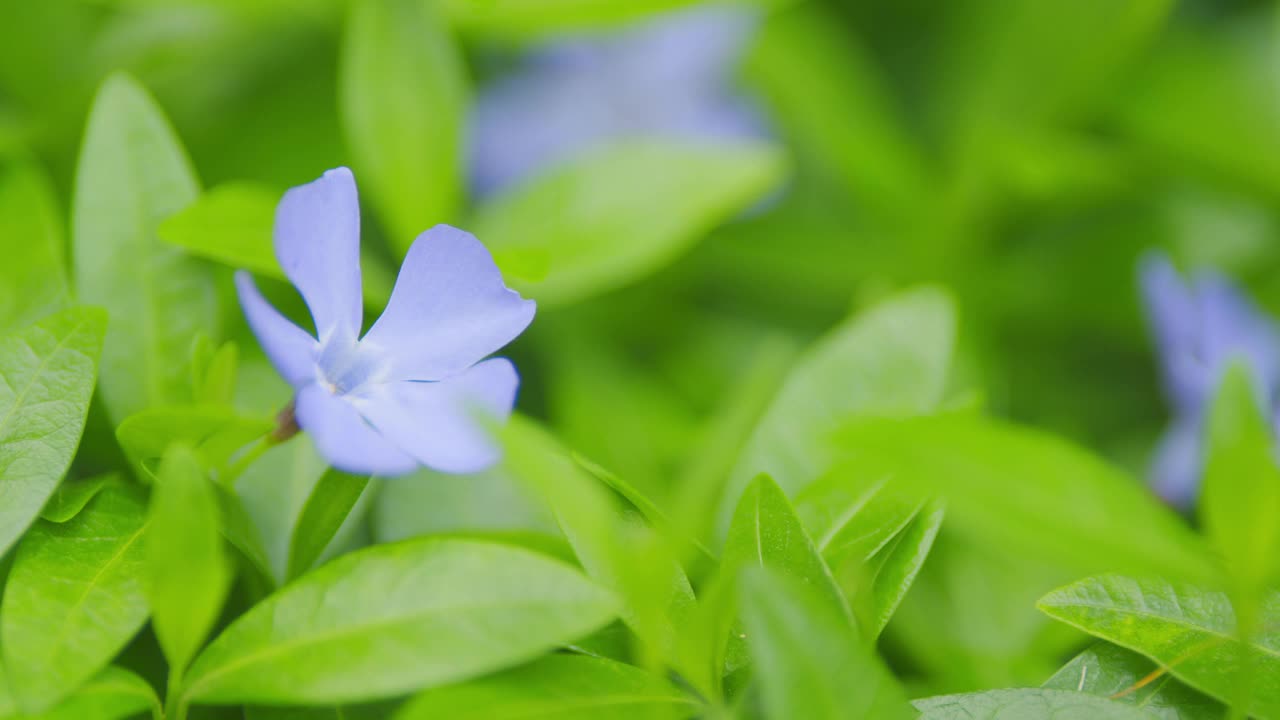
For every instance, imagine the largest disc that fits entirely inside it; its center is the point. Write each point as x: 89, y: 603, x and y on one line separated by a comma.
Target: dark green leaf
x: 324, y: 512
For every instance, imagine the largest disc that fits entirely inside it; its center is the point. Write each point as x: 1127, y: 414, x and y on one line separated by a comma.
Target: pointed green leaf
x: 230, y: 224
x: 893, y: 358
x: 809, y: 662
x: 564, y: 687
x: 72, y: 495
x: 74, y: 597
x: 622, y: 212
x: 132, y: 174
x: 326, y: 508
x: 394, y: 618
x: 187, y: 573
x: 1125, y: 676
x: 46, y: 381
x: 1028, y: 704
x: 402, y: 101
x: 891, y: 571
x: 216, y: 432
x: 1189, y: 631
x: 1018, y: 487
x: 1240, y: 495
x: 33, y: 276
x: 112, y: 694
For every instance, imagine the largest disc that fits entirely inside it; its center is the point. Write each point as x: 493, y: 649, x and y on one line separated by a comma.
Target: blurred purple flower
x: 668, y: 77
x: 1200, y: 328
x: 415, y: 390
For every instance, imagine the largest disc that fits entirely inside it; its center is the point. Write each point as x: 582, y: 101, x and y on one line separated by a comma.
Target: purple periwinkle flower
x: 415, y: 389
x: 671, y: 76
x: 1200, y: 328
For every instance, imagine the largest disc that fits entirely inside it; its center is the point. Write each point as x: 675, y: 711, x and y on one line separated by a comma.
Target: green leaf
x: 217, y: 382
x: 622, y: 555
x: 1240, y: 496
x: 33, y: 277
x: 114, y: 693
x: 74, y: 597
x: 809, y: 661
x: 1026, y: 704
x: 72, y: 495
x: 1189, y: 631
x: 367, y: 711
x: 1023, y: 488
x: 564, y: 687
x: 188, y: 575
x: 133, y: 174
x: 622, y: 212
x: 766, y: 532
x: 402, y: 90
x: 326, y: 508
x: 521, y: 17
x: 893, y: 569
x: 1125, y: 676
x: 430, y: 502
x: 892, y: 358
x: 231, y: 224
x: 46, y: 382
x: 394, y: 618
x: 216, y: 432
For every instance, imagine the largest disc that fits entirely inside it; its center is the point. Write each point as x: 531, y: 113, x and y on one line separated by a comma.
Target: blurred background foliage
x: 1023, y: 154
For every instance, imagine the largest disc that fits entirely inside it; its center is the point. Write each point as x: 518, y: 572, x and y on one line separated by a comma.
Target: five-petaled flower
x: 415, y: 389
x: 1200, y: 328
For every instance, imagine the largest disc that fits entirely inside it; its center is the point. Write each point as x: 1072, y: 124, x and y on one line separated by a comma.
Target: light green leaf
x: 894, y: 357
x: 324, y: 512
x: 217, y: 382
x: 892, y: 570
x: 1026, y: 704
x: 1189, y: 631
x: 187, y: 573
x: 538, y: 17
x: 230, y: 224
x: 72, y: 495
x: 216, y: 432
x: 622, y: 555
x: 403, y: 93
x: 617, y: 214
x: 133, y: 174
x: 1240, y: 495
x: 33, y: 276
x: 1125, y: 676
x: 809, y: 662
x: 1018, y: 487
x: 74, y: 597
x: 394, y: 618
x: 430, y: 502
x: 114, y: 693
x: 564, y: 687
x: 46, y: 382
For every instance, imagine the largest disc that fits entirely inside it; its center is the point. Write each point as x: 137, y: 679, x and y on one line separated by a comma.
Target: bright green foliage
x: 187, y: 573
x: 893, y: 358
x: 809, y: 661
x: 74, y: 597
x: 1110, y: 671
x: 326, y: 508
x: 215, y: 432
x: 386, y: 620
x: 230, y: 224
x: 565, y: 687
x: 1240, y: 500
x: 522, y: 17
x: 620, y: 213
x: 33, y: 276
x: 1037, y: 703
x: 1021, y: 488
x: 46, y: 379
x: 111, y: 694
x: 71, y: 496
x: 1189, y: 631
x: 403, y: 94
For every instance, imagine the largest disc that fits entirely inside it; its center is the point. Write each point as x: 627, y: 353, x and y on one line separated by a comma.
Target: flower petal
x: 317, y: 241
x: 289, y: 348
x: 1176, y: 469
x: 448, y: 310
x: 443, y: 424
x: 1176, y: 323
x: 344, y: 439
